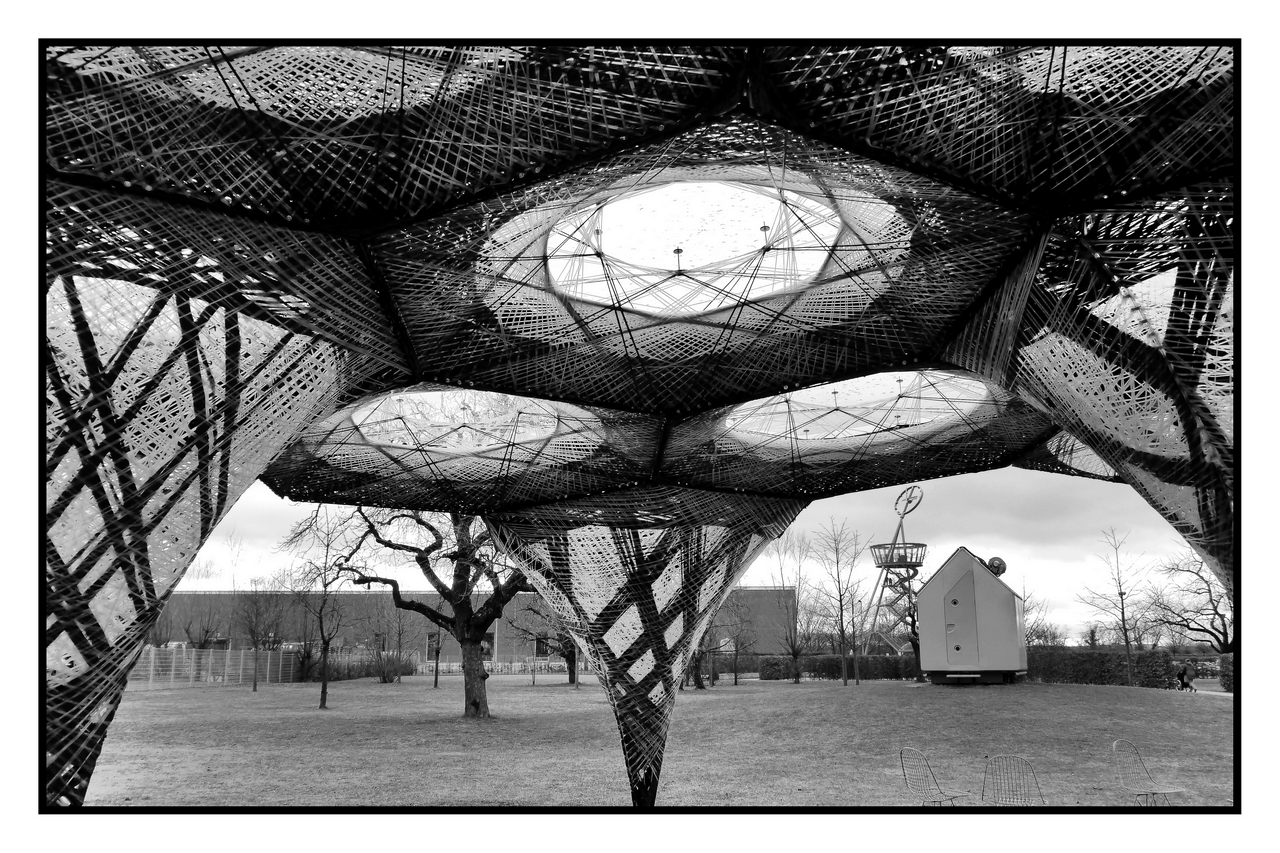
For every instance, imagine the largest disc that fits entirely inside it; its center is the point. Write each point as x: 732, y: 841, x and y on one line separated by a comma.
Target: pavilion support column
x: 644, y: 787
x: 154, y: 431
x: 638, y: 576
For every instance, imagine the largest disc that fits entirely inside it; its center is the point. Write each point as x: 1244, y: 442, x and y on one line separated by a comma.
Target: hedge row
x: 1047, y: 664
x: 1062, y: 665
x: 870, y: 667
x: 345, y: 668
x: 1227, y: 672
x: 747, y: 662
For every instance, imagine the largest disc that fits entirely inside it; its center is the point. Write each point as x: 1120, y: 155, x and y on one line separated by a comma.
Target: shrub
x: 747, y: 662
x: 386, y: 666
x: 775, y: 668
x: 870, y: 667
x: 1227, y: 672
x: 1209, y: 668
x: 380, y: 665
x: 1154, y: 669
x: 1062, y: 665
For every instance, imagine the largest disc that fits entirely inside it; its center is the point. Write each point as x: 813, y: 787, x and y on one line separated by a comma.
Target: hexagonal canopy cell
x: 278, y: 262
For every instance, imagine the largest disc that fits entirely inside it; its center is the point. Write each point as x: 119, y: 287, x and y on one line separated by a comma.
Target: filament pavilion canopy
x: 259, y: 259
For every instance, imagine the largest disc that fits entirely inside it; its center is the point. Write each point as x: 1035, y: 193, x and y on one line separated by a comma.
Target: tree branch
x: 446, y: 622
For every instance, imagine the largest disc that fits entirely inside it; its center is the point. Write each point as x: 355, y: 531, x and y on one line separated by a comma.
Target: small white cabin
x: 971, y: 624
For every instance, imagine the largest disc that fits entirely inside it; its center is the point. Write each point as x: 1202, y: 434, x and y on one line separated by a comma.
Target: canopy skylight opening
x: 687, y: 248
x: 456, y: 420
x: 886, y: 402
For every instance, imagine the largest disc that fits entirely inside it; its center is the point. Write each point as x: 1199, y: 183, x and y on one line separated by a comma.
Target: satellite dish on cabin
x: 997, y: 566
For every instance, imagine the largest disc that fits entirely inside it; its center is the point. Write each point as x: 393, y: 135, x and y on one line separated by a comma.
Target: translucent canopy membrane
x: 458, y: 421
x: 1142, y: 308
x: 688, y: 248
x: 331, y: 82
x: 884, y: 403
x: 861, y: 433
x: 428, y: 447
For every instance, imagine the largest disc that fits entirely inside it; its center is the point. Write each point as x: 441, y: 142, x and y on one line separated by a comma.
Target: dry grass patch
x: 758, y: 744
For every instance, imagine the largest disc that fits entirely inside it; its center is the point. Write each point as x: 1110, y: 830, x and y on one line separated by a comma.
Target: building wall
x: 370, y: 613
x: 1001, y: 641
x: 766, y: 610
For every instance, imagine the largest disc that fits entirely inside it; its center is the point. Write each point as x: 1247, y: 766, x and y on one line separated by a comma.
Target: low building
x: 752, y: 616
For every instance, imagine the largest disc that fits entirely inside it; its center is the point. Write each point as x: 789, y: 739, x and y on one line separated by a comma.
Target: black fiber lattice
x: 258, y: 255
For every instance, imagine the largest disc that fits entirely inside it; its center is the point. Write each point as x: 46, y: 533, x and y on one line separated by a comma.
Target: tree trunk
x: 571, y: 660
x: 844, y: 665
x: 795, y: 669
x: 735, y: 664
x: 856, y: 677
x: 435, y: 682
x: 698, y: 683
x: 1124, y: 629
x: 473, y: 678
x: 255, y: 668
x: 915, y: 650
x: 324, y: 676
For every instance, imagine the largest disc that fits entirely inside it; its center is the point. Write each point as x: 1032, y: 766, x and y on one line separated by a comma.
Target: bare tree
x: 473, y: 566
x: 434, y: 642
x: 799, y: 621
x: 203, y: 622
x: 1147, y: 632
x: 1192, y: 603
x: 1117, y: 604
x: 733, y: 623
x: 325, y: 544
x: 538, y: 623
x: 700, y: 653
x: 393, y: 630
x: 203, y: 626
x: 163, y: 629
x: 300, y: 627
x: 259, y: 612
x: 205, y: 569
x: 1037, y: 629
x: 837, y: 550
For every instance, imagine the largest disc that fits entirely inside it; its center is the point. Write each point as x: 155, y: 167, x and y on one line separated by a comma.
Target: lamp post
x: 857, y: 605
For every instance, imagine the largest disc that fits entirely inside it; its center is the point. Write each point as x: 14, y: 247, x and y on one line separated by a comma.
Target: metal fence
x: 158, y: 669
x: 510, y: 666
x: 163, y: 669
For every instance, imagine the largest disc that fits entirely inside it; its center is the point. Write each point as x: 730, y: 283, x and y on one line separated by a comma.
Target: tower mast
x: 899, y: 563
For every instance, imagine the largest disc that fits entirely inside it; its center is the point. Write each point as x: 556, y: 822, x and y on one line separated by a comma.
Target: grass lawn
x: 758, y: 744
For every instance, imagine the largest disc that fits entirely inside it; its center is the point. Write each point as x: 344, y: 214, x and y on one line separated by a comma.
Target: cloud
x: 1047, y: 527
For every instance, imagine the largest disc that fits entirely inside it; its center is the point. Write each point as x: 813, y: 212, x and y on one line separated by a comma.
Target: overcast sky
x: 1047, y: 528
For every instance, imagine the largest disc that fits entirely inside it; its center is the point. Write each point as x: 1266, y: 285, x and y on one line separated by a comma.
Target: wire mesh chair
x: 1135, y: 778
x: 921, y: 781
x: 1010, y: 780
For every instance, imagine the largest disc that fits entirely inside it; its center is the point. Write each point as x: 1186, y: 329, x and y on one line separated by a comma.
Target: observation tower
x: 899, y: 563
